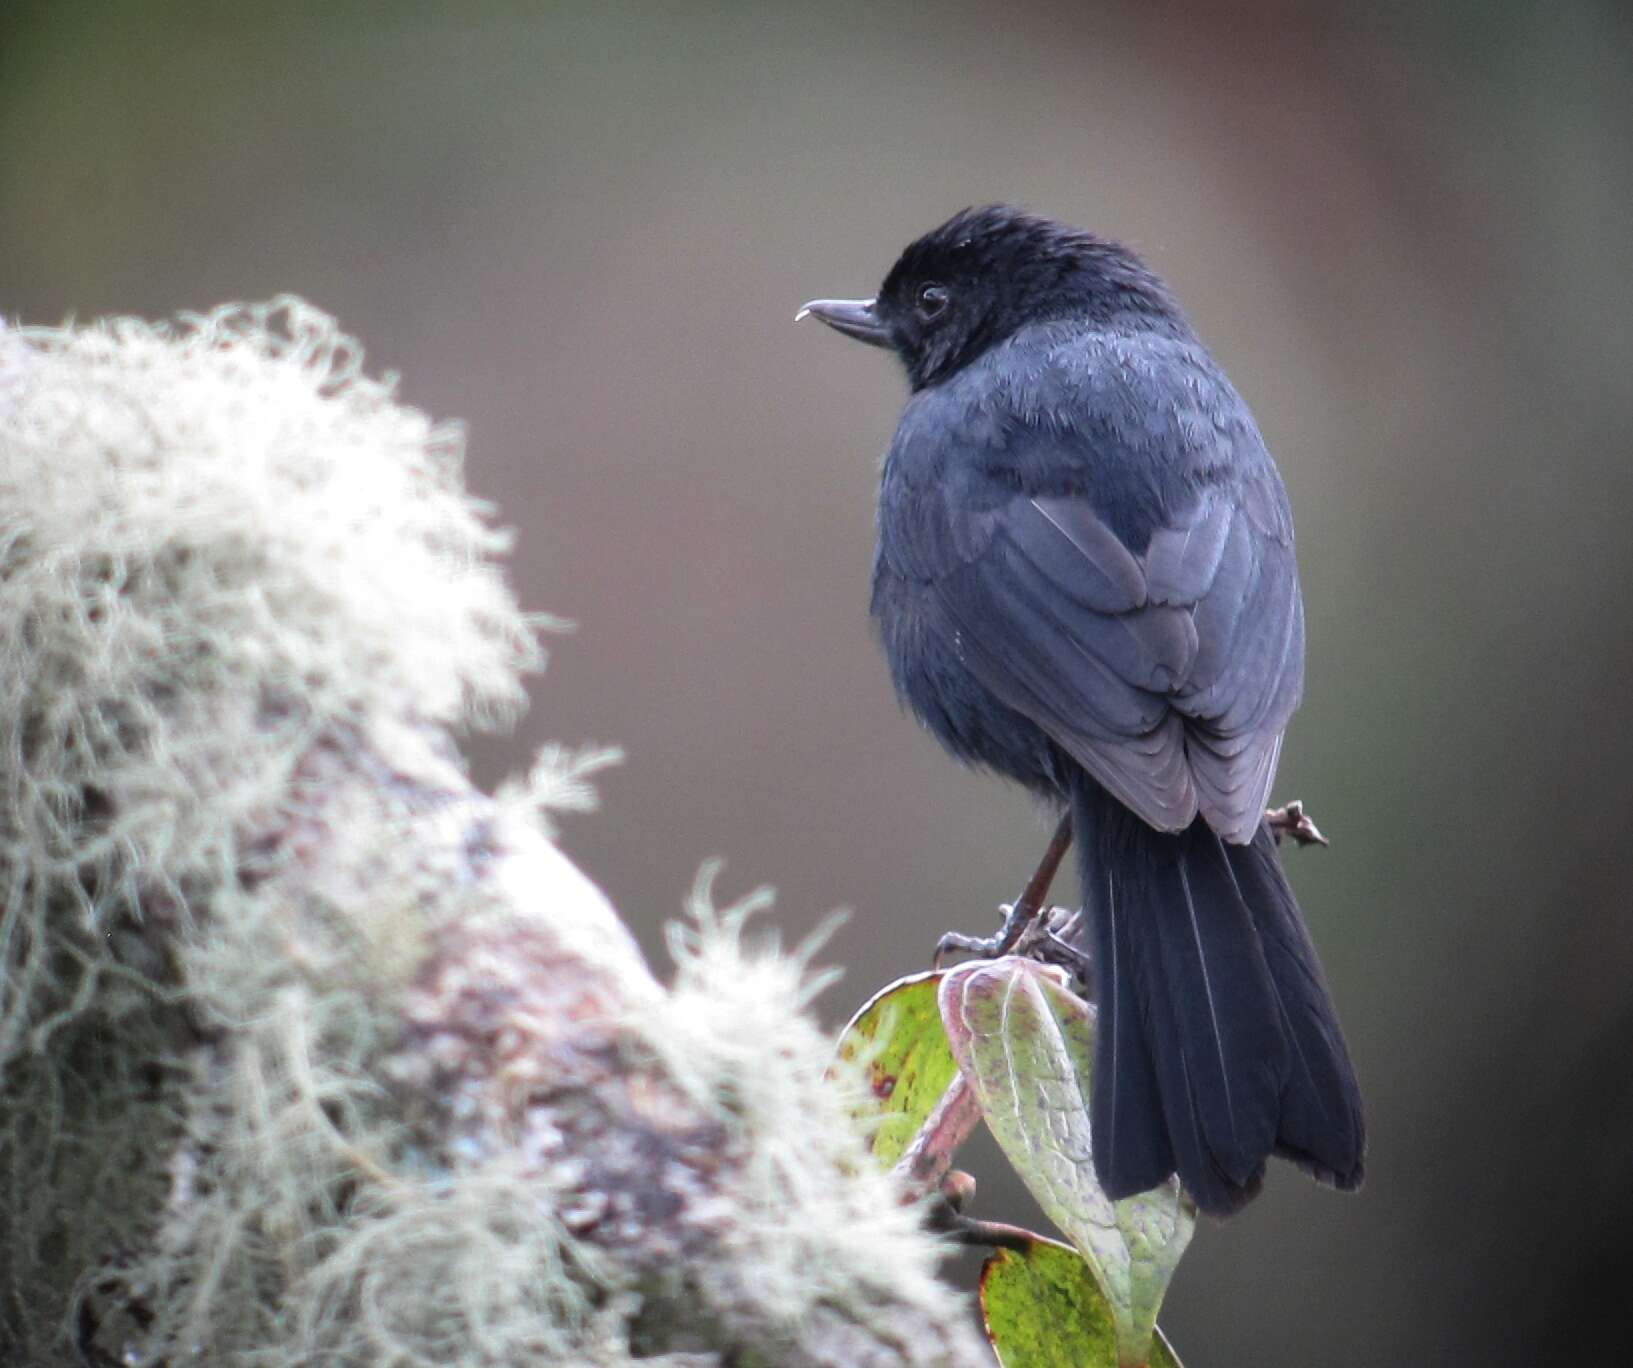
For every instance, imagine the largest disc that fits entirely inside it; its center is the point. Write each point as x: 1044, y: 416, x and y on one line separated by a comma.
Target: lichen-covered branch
x: 311, y: 1052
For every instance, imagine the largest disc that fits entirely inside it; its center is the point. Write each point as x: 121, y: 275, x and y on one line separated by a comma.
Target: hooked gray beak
x: 858, y: 318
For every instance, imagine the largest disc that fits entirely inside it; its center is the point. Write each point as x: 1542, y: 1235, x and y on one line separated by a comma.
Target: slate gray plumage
x: 1085, y: 581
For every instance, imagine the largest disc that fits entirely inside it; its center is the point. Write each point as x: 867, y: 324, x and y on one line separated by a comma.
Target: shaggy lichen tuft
x: 739, y: 1037
x: 217, y: 539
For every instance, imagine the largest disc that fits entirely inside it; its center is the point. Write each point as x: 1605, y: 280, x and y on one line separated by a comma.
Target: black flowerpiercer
x: 1085, y: 581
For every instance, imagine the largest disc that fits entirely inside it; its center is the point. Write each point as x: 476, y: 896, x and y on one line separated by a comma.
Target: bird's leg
x: 1019, y: 919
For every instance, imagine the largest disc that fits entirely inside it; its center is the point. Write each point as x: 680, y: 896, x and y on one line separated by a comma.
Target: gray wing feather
x: 1168, y: 675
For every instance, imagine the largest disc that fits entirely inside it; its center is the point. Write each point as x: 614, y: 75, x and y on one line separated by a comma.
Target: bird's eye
x: 932, y: 302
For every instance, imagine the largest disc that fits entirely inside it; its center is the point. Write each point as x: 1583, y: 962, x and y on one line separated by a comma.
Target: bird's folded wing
x: 1169, y: 673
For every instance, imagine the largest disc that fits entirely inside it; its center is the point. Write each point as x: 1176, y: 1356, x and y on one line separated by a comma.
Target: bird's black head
x: 970, y: 284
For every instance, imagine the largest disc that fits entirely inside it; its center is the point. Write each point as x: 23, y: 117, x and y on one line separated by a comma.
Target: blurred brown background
x: 1404, y: 228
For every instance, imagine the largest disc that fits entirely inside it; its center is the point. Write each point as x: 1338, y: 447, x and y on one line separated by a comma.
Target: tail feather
x: 1127, y: 1103
x: 1218, y: 1044
x: 1321, y: 1127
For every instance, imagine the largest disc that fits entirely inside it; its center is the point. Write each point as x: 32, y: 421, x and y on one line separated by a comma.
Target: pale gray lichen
x: 559, y: 780
x: 309, y: 1052
x: 811, y: 1219
x: 215, y: 539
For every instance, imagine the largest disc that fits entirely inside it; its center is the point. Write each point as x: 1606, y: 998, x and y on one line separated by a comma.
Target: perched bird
x: 1085, y: 581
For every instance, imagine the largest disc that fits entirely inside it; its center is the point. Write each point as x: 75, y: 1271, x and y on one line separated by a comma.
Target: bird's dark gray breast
x: 932, y: 680
x: 920, y: 539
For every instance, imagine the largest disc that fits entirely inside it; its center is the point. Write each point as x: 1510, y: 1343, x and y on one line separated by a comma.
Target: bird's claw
x: 984, y: 947
x: 1295, y: 822
x: 954, y: 942
x: 1051, y: 949
x: 1043, y: 939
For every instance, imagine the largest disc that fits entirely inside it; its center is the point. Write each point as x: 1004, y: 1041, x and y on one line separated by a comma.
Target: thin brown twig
x: 985, y: 1234
x: 926, y: 1160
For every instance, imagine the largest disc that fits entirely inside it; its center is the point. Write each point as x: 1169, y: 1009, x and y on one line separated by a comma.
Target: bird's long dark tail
x: 1218, y: 1043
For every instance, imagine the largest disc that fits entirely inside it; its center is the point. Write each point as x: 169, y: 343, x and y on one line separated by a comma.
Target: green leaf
x: 1044, y: 1309
x: 898, y: 1040
x: 1026, y: 1044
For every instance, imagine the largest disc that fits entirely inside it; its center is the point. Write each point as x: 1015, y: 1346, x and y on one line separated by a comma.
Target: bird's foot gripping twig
x: 1293, y: 821
x: 1021, y: 917
x: 980, y: 947
x: 1026, y: 932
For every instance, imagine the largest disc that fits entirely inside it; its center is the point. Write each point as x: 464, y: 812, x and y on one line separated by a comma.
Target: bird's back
x: 1141, y: 441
